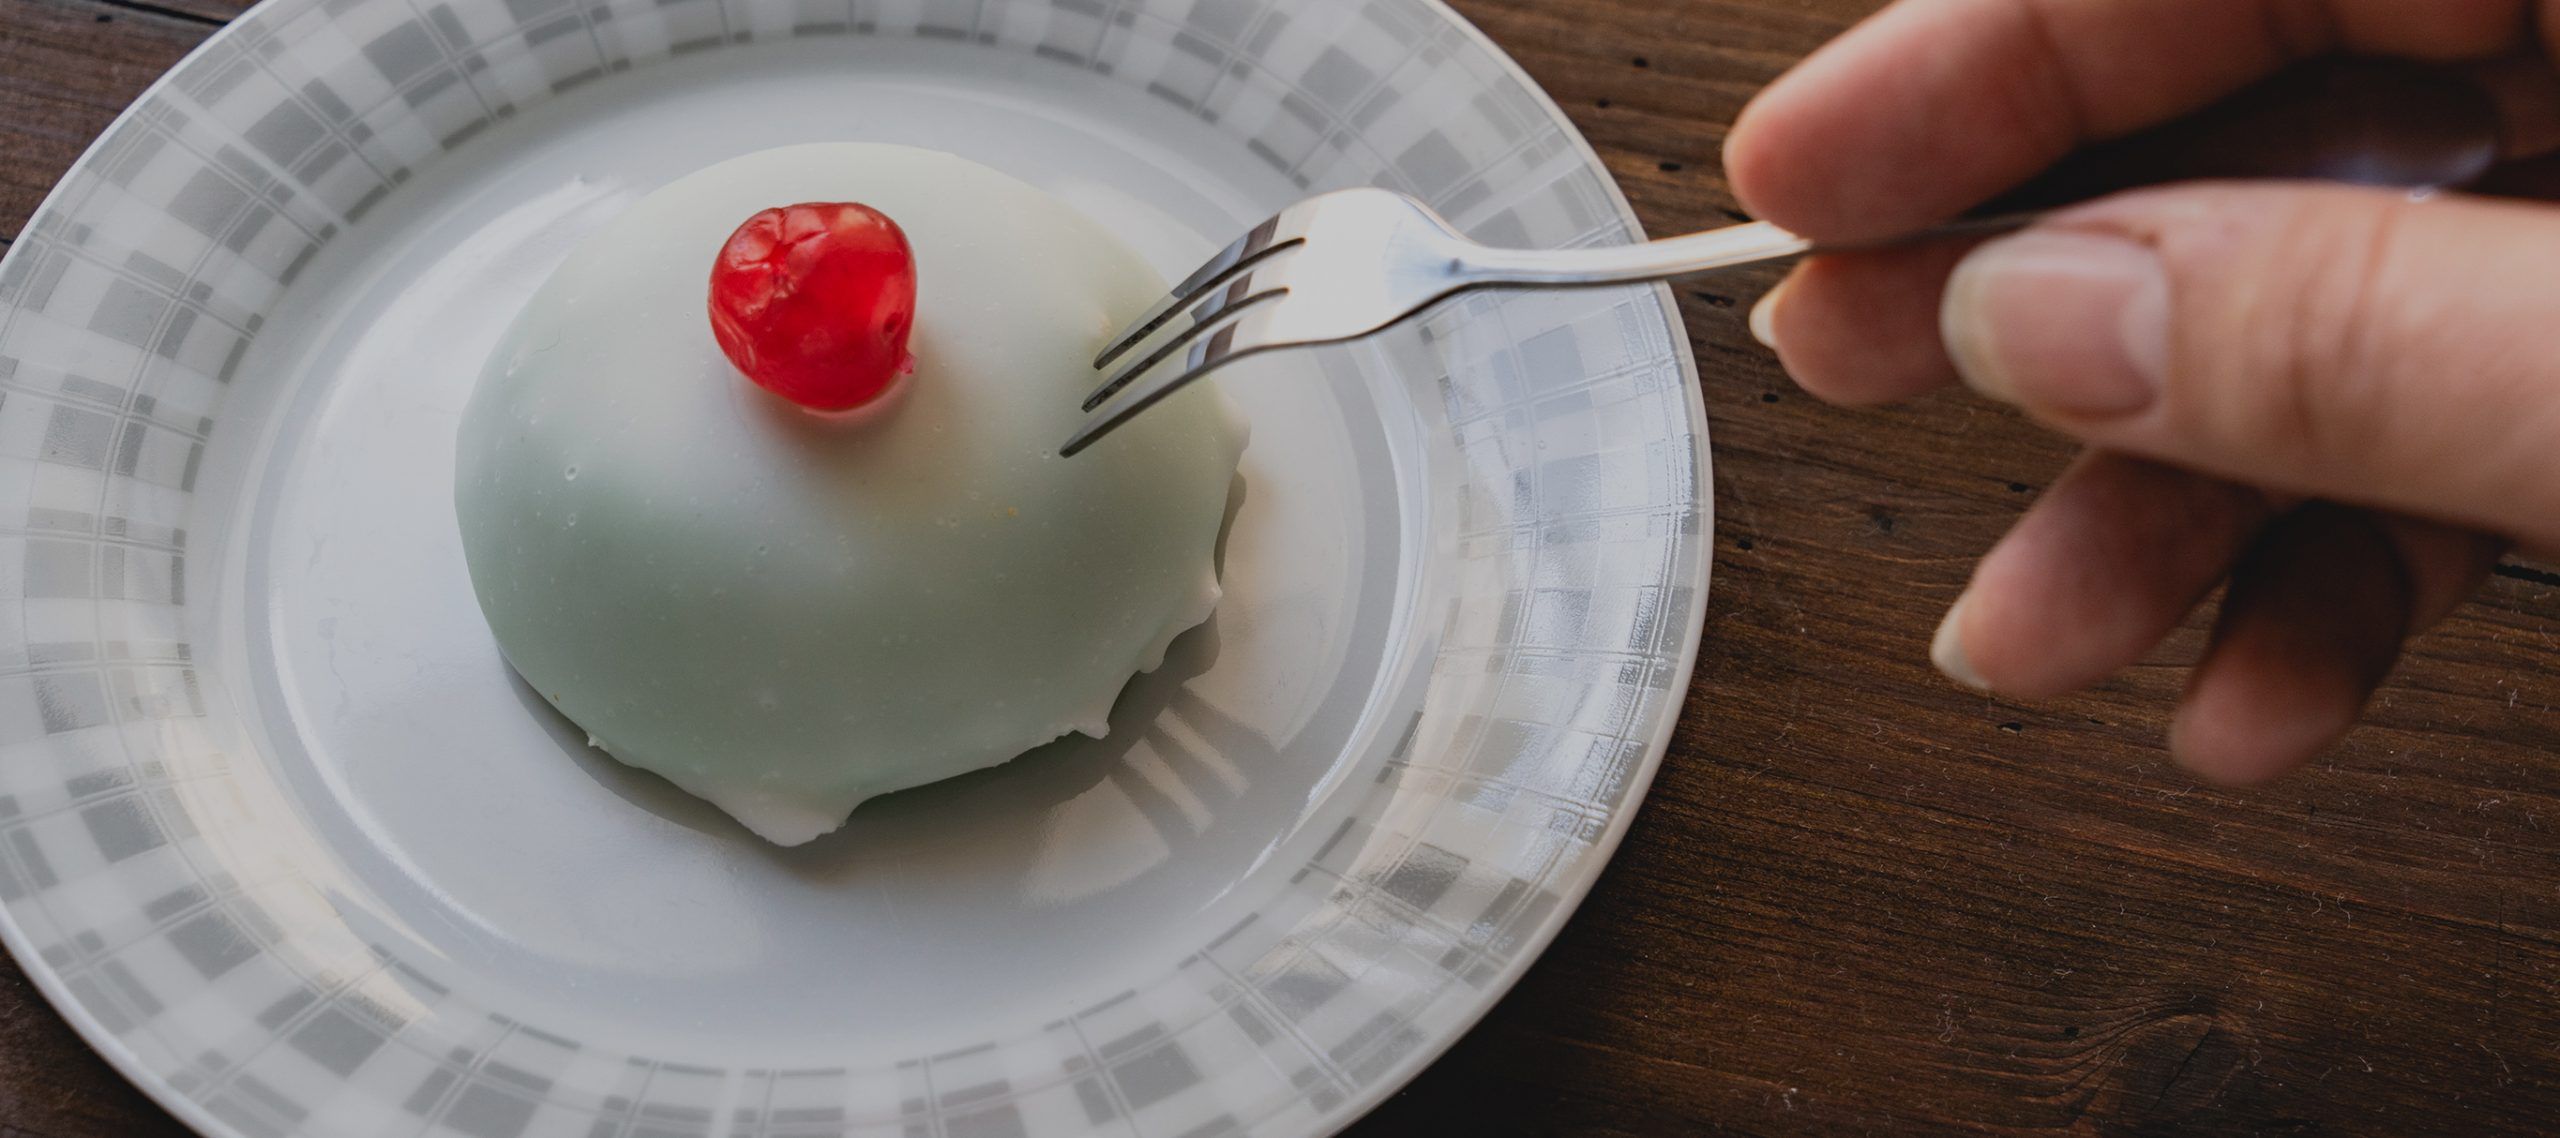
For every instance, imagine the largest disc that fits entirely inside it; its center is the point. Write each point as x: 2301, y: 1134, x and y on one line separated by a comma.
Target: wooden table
x: 1859, y: 899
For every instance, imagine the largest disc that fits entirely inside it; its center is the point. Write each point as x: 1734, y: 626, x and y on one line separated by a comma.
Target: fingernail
x: 1764, y: 316
x: 2073, y: 323
x: 1946, y: 649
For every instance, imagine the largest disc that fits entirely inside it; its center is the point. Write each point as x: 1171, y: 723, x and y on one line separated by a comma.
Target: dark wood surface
x: 1860, y: 900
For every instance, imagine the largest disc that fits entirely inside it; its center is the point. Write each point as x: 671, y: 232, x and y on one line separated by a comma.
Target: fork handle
x: 1620, y: 264
x: 2362, y: 121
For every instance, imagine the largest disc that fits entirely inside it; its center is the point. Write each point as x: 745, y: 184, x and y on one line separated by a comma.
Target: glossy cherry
x: 814, y: 302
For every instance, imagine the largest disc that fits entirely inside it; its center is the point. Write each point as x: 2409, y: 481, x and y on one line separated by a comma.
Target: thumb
x: 2339, y: 343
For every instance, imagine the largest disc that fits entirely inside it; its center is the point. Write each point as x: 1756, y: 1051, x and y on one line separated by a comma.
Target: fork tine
x: 1218, y: 312
x: 1244, y: 253
x: 1216, y: 352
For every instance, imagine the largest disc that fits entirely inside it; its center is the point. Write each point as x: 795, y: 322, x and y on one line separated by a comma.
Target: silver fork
x: 1342, y: 265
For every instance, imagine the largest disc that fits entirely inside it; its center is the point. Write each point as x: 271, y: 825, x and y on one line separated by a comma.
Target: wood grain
x: 1858, y: 899
x: 66, y: 68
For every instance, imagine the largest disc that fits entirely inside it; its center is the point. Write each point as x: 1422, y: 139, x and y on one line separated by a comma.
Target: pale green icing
x: 786, y: 614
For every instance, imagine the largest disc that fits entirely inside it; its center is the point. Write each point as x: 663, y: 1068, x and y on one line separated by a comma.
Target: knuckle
x: 2299, y: 343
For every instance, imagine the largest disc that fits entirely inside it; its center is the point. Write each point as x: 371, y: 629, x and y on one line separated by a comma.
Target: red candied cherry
x: 814, y: 302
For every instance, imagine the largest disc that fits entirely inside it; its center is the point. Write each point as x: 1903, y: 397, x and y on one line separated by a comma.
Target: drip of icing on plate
x: 787, y: 613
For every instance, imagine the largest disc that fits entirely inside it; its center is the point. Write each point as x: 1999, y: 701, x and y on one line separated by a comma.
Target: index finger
x: 1934, y: 106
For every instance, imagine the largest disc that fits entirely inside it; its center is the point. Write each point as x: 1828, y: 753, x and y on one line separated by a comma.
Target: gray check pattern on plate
x: 221, y: 975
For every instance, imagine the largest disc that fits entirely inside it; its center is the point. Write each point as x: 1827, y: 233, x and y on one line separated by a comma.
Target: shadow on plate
x: 997, y: 821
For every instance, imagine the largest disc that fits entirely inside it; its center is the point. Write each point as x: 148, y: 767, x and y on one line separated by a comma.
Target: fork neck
x: 1619, y: 264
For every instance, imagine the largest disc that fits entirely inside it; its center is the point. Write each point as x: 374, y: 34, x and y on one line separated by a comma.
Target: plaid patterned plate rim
x: 142, y: 884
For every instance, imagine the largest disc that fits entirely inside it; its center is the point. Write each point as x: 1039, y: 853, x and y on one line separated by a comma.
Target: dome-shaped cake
x: 787, y: 613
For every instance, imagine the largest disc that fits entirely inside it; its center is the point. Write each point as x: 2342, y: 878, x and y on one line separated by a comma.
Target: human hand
x: 2344, y: 402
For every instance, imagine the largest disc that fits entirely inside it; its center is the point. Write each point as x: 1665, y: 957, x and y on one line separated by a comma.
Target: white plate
x: 284, y: 839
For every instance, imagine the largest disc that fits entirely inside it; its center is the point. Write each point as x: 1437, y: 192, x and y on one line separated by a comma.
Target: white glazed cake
x: 788, y: 613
